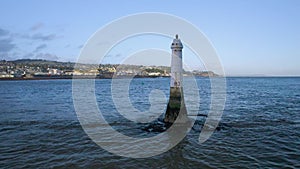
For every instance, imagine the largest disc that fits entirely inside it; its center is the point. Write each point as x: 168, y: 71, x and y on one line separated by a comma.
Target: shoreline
x: 74, y: 77
x: 124, y: 77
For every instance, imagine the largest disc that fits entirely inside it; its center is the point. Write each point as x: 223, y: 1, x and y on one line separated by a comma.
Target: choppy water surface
x: 260, y: 126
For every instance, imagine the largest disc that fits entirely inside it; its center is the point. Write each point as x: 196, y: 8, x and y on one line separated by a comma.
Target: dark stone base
x: 160, y: 126
x: 176, y: 110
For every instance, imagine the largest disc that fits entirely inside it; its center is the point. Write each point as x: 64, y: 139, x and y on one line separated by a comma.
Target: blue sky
x: 251, y: 37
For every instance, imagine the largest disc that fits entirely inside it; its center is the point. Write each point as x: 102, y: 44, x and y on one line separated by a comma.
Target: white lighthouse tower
x: 176, y: 64
x: 176, y: 109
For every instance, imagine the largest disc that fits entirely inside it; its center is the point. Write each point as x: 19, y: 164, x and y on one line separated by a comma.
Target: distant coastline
x: 37, y: 69
x: 83, y: 77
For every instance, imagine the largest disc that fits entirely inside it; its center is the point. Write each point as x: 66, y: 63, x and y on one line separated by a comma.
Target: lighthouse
x: 176, y: 109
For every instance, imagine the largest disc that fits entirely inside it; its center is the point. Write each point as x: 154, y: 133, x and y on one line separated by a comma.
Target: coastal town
x: 43, y: 69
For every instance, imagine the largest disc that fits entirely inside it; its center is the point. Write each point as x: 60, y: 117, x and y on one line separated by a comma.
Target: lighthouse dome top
x: 176, y: 43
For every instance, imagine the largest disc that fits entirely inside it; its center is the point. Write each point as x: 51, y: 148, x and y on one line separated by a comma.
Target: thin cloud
x: 6, y: 56
x: 114, y: 56
x: 47, y: 56
x: 28, y: 56
x: 37, y: 36
x: 6, y: 45
x: 43, y: 37
x: 9, y: 47
x: 37, y: 26
x: 3, y: 32
x: 40, y: 47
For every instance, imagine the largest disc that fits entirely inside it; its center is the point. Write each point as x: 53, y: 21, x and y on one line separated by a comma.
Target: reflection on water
x: 260, y: 126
